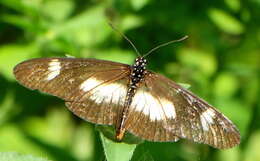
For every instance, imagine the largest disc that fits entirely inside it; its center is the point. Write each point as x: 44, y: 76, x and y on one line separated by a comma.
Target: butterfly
x: 129, y: 97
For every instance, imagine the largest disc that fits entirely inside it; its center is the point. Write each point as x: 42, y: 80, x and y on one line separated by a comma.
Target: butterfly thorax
x: 138, y: 71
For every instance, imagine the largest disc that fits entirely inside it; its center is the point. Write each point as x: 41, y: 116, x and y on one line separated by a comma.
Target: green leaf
x: 13, y: 139
x: 11, y: 55
x: 137, y: 4
x: 29, y: 7
x: 117, y: 151
x: 45, y: 128
x: 226, y: 22
x: 131, y: 21
x: 109, y: 133
x: 13, y: 156
x: 18, y: 21
x: 65, y: 8
x: 252, y: 148
x: 229, y: 154
x: 225, y: 85
x: 83, y: 142
x: 185, y: 85
x: 6, y: 107
x: 83, y: 20
x: 126, y: 57
x: 198, y: 59
x: 235, y: 5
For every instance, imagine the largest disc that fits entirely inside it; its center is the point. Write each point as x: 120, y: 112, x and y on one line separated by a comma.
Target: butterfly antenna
x: 165, y: 44
x: 132, y: 44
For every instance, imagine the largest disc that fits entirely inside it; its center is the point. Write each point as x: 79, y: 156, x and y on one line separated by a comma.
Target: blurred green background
x: 220, y: 60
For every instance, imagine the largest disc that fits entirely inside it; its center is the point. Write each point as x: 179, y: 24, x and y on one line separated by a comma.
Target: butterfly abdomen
x: 137, y: 75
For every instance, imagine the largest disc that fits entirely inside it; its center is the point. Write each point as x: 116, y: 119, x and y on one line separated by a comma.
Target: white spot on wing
x: 168, y: 108
x: 53, y: 69
x: 204, y: 124
x: 89, y: 84
x: 150, y: 106
x: 207, y: 117
x: 108, y: 92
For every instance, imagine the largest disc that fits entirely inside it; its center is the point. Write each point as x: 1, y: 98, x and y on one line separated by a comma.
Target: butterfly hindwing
x: 90, y: 87
x: 147, y: 116
x: 172, y: 112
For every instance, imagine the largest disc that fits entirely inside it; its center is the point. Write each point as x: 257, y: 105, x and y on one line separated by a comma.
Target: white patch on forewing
x: 204, y: 124
x: 150, y: 106
x: 54, y: 69
x: 207, y: 117
x: 89, y: 84
x: 107, y: 92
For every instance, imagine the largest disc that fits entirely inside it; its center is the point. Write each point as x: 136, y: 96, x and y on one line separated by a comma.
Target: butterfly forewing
x: 93, y: 89
x: 180, y: 113
x: 102, y: 104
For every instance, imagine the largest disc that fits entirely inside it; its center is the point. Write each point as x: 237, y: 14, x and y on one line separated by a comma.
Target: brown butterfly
x: 130, y: 98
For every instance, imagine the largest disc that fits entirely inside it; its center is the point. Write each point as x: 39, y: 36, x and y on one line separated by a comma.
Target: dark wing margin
x: 168, y: 112
x: 93, y: 89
